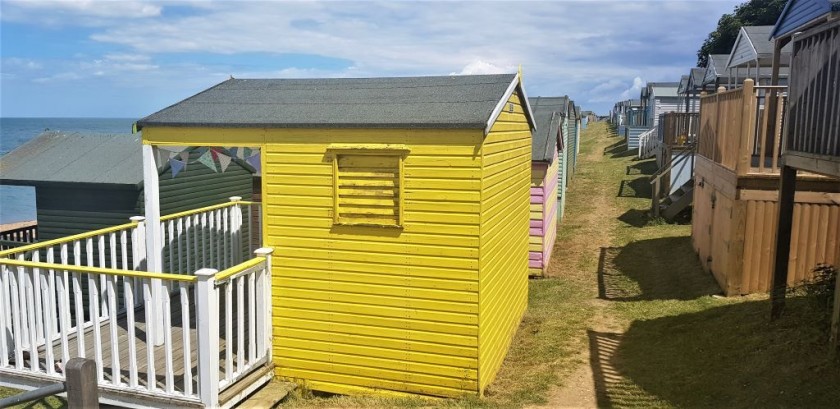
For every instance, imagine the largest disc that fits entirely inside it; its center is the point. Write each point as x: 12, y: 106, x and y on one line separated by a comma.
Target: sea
x: 17, y: 203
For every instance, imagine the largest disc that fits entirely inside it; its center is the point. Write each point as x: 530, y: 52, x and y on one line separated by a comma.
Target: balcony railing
x: 734, y: 132
x: 153, y: 335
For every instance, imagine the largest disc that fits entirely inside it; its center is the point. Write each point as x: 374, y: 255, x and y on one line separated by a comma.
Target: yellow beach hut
x: 397, y: 209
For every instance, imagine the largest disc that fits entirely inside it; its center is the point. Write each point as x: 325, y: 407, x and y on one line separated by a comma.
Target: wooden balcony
x: 813, y: 138
x: 736, y: 194
x: 198, y: 335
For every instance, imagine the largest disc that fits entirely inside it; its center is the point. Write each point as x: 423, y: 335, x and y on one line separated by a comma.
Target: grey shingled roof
x: 400, y: 102
x: 74, y: 158
x: 720, y: 61
x: 548, y: 112
x: 760, y: 38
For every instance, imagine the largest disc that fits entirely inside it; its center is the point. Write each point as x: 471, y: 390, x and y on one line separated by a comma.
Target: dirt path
x: 589, y: 206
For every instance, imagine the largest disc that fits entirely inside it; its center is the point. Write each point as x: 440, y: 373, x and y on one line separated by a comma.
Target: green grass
x: 51, y: 402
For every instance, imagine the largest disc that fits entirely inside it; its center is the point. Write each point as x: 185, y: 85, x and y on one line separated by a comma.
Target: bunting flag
x: 224, y: 161
x: 206, y: 159
x: 232, y: 152
x: 254, y: 161
x: 177, y: 166
x: 161, y: 156
x: 185, y: 156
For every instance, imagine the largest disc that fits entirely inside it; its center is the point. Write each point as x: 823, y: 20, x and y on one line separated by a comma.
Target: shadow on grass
x: 729, y: 356
x: 647, y: 167
x: 616, y: 148
x: 656, y: 269
x: 638, y: 187
x: 635, y: 217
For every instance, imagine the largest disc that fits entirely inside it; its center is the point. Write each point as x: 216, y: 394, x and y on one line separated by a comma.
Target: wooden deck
x: 180, y: 357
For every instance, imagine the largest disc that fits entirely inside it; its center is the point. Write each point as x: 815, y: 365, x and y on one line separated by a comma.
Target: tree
x: 751, y: 13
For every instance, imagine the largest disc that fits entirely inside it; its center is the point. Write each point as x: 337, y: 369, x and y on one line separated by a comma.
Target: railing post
x: 154, y: 245
x: 82, y: 388
x: 747, y: 131
x: 236, y: 230
x: 207, y: 334
x: 718, y: 152
x: 264, y: 329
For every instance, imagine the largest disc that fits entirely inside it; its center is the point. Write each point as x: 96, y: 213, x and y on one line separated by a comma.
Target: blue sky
x: 132, y: 58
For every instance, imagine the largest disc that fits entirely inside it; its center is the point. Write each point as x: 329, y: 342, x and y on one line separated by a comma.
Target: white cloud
x: 67, y: 12
x: 591, y: 51
x: 481, y: 67
x: 634, y: 91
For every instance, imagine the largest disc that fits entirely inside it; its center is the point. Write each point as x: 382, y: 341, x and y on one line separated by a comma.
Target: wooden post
x: 787, y: 189
x: 82, y: 389
x: 264, y: 328
x: 154, y: 247
x: 236, y: 230
x: 207, y: 334
x: 742, y: 166
x: 835, y: 320
x: 770, y: 101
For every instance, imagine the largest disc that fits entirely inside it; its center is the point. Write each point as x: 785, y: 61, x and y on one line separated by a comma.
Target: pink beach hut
x: 546, y: 145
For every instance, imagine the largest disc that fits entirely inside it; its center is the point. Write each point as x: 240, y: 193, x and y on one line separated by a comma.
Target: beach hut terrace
x: 736, y: 192
x: 393, y: 254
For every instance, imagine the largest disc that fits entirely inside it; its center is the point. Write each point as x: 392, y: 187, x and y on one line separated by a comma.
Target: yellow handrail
x: 221, y: 275
x: 62, y: 240
x: 99, y: 270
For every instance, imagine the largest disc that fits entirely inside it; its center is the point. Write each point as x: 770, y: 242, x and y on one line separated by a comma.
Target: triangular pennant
x: 254, y: 161
x: 224, y: 161
x: 232, y: 152
x: 185, y: 156
x: 161, y: 156
x: 215, y: 154
x: 207, y: 160
x: 177, y: 166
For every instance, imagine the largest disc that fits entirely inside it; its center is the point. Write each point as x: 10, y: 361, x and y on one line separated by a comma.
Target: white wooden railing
x: 649, y: 143
x: 89, y: 294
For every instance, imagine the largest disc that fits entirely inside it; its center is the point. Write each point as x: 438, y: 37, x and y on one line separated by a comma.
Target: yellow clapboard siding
x: 293, y: 262
x: 299, y: 360
x: 374, y: 316
x: 460, y: 356
x: 375, y: 357
x: 505, y: 217
x: 383, y: 305
x: 397, y: 358
x: 372, y: 256
x: 284, y: 233
x: 337, y: 243
x: 462, y: 345
x: 387, y: 284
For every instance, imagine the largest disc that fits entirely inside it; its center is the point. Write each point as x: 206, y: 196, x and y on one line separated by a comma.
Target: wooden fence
x: 679, y: 128
x: 733, y: 129
x: 19, y: 236
x: 814, y: 127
